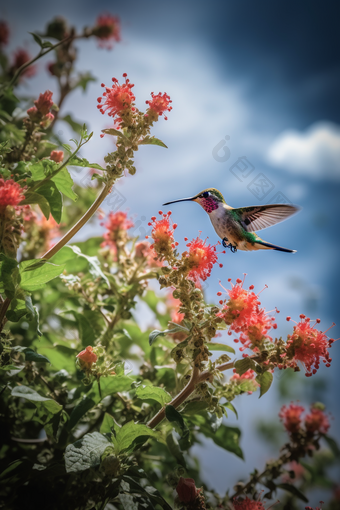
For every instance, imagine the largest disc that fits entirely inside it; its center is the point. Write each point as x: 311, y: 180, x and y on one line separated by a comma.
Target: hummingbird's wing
x: 258, y: 217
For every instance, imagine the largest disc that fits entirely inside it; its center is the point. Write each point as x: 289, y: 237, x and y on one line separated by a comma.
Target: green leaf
x: 213, y: 346
x: 230, y: 406
x: 175, y: 417
x: 242, y: 365
x: 109, y: 386
x: 9, y: 275
x: 265, y: 380
x: 42, y: 44
x: 114, y: 132
x: 82, y: 162
x: 293, y: 490
x: 48, y: 411
x: 132, y: 434
x: 83, y: 80
x: 333, y: 445
x: 173, y: 445
x: 35, y: 279
x: 153, y: 393
x: 107, y: 424
x: 154, y: 334
x: 225, y: 437
x: 151, y: 140
x: 85, y: 453
x: 50, y: 191
x: 31, y: 355
x: 64, y: 183
x: 40, y: 200
x: 76, y: 126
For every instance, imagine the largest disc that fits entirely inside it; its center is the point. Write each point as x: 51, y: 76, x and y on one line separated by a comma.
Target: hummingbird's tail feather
x: 274, y: 247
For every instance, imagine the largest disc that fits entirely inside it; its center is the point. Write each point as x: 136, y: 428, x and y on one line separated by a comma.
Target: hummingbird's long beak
x: 180, y: 200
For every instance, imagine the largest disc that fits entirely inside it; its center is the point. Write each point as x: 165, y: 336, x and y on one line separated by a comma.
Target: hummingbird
x: 236, y: 227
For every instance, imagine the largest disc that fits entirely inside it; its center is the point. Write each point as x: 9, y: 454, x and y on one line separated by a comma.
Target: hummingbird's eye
x: 205, y: 194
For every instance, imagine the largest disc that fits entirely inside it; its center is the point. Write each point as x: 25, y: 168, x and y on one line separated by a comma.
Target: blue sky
x: 266, y: 75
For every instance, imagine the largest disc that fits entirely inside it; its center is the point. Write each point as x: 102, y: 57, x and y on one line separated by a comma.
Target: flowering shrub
x: 92, y: 404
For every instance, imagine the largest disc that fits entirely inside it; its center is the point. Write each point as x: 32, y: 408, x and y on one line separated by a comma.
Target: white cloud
x: 315, y: 152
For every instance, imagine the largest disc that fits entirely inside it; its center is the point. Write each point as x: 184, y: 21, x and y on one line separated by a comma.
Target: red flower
x: 316, y: 508
x: 257, y: 329
x: 317, y: 421
x: 44, y: 102
x: 4, y: 32
x: 162, y: 234
x: 159, y: 104
x: 116, y: 224
x: 201, y: 258
x: 291, y: 417
x: 247, y: 504
x: 118, y: 99
x: 86, y: 358
x: 309, y: 346
x: 21, y: 56
x: 57, y: 156
x: 238, y: 311
x: 107, y: 30
x: 186, y: 490
x: 11, y: 193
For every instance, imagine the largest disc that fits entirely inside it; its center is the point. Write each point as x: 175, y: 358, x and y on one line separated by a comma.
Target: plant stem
x: 30, y: 62
x: 61, y: 243
x: 89, y: 213
x: 178, y: 400
x: 195, y: 379
x: 53, y: 174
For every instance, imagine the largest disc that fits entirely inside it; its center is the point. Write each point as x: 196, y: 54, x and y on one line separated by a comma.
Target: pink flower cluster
x: 11, y: 193
x: 40, y: 112
x: 242, y: 313
x: 316, y: 422
x: 307, y: 345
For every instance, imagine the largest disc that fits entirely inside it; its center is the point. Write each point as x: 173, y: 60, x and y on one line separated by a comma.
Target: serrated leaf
x: 264, y: 380
x: 40, y: 200
x: 151, y: 140
x: 36, y: 279
x: 31, y: 355
x: 153, y: 393
x: 230, y: 406
x: 132, y: 434
x: 173, y: 416
x: 50, y: 191
x: 85, y: 453
x: 214, y: 346
x: 64, y: 183
x: 154, y: 334
x: 242, y: 365
x: 114, y: 132
x: 84, y: 163
x: 293, y: 490
x: 42, y: 44
x: 109, y: 386
x: 48, y: 413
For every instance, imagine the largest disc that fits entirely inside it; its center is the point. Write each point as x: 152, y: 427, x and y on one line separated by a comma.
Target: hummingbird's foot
x: 226, y: 244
